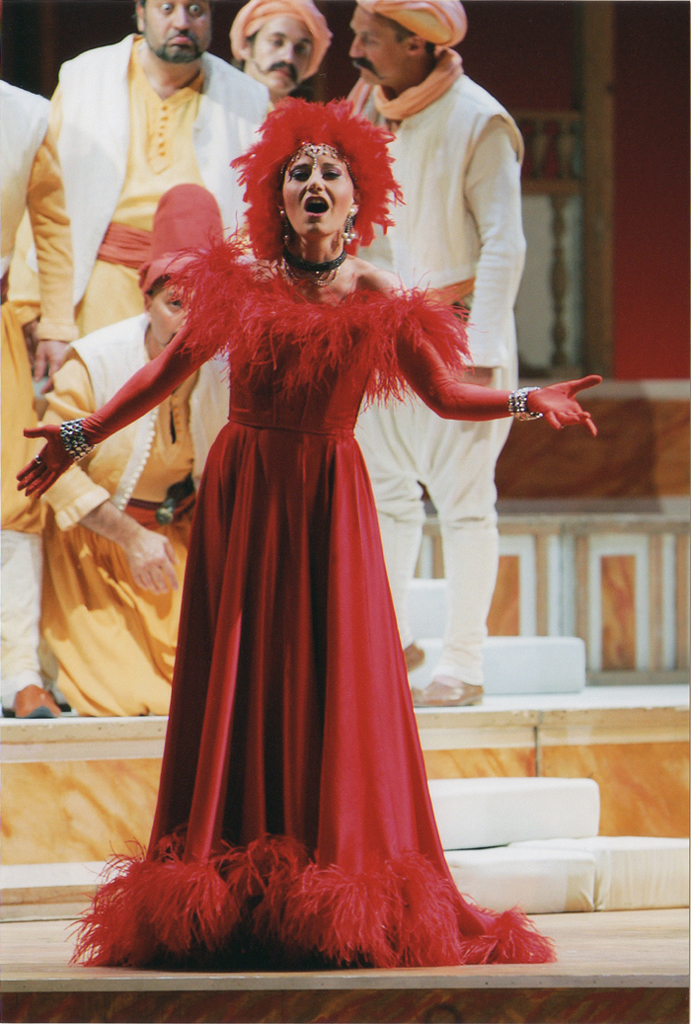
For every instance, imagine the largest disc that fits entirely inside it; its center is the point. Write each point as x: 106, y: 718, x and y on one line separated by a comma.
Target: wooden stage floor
x: 616, y: 967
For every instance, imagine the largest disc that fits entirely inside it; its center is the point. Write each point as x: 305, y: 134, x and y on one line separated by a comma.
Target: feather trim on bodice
x: 264, y: 324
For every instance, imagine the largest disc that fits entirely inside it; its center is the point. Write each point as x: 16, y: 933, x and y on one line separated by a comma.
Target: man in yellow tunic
x: 132, y: 120
x: 118, y: 524
x: 30, y: 181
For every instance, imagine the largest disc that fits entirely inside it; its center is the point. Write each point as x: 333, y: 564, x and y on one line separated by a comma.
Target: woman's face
x: 318, y: 193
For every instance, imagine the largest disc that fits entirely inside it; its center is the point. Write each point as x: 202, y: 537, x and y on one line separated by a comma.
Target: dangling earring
x: 285, y: 225
x: 349, y: 226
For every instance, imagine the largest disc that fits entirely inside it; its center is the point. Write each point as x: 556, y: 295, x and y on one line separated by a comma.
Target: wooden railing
x: 617, y: 579
x: 553, y: 166
x: 553, y: 163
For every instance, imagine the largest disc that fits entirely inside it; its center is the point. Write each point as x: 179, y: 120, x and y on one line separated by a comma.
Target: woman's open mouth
x: 316, y: 205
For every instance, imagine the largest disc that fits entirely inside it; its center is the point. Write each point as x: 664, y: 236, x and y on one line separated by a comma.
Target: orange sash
x: 453, y: 294
x: 411, y: 101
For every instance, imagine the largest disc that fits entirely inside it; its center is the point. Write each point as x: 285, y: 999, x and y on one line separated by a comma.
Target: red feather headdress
x: 288, y: 127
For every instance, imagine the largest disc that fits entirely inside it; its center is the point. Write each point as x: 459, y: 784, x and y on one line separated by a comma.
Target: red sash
x: 128, y: 246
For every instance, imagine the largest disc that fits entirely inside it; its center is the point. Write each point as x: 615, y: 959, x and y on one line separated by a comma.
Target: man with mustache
x: 280, y: 43
x: 457, y: 158
x: 133, y: 120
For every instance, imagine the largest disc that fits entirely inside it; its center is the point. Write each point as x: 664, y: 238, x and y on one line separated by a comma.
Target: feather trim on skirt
x: 270, y: 906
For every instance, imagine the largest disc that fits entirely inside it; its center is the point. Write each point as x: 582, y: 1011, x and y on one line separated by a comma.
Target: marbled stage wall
x: 88, y: 810
x: 641, y: 451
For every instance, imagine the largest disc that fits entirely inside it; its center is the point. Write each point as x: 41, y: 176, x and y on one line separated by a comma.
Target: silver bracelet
x: 518, y: 404
x: 72, y: 436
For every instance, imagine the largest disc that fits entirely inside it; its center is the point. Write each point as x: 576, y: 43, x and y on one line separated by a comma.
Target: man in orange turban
x: 457, y: 158
x: 280, y: 43
x: 442, y: 22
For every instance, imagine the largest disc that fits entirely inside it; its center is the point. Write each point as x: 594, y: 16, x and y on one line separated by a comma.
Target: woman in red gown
x: 294, y: 825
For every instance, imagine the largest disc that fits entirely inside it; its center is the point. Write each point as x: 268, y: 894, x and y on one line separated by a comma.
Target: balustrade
x: 553, y: 168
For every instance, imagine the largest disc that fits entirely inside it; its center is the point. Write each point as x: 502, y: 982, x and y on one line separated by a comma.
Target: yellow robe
x: 161, y: 155
x: 46, y: 209
x: 114, y: 641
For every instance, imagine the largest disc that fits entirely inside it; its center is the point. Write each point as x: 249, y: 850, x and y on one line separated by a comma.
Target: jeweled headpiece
x: 312, y: 151
x: 295, y: 127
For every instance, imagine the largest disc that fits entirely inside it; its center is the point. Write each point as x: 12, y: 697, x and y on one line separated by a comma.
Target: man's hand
x: 152, y: 560
x: 48, y: 358
x: 150, y: 554
x: 46, y: 355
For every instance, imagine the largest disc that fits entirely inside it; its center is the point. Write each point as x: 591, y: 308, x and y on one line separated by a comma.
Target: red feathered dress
x: 294, y: 826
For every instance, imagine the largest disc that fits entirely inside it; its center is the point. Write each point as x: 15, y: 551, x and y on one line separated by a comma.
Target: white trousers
x: 20, y: 583
x: 406, y: 444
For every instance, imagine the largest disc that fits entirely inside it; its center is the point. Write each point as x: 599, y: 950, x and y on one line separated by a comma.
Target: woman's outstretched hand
x: 559, y: 407
x: 51, y: 462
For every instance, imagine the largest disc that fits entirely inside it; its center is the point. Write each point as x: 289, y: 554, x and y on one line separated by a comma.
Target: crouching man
x: 118, y: 522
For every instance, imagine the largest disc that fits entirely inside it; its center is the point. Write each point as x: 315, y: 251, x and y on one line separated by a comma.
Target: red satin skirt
x: 294, y: 826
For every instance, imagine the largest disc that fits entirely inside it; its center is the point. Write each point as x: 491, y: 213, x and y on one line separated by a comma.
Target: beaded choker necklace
x: 321, y: 273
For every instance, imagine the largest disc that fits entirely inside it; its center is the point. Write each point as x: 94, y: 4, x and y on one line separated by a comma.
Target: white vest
x: 23, y: 126
x: 94, y: 141
x: 112, y: 355
x: 435, y: 242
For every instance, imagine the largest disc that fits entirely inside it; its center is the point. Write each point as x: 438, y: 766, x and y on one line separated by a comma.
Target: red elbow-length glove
x: 451, y: 398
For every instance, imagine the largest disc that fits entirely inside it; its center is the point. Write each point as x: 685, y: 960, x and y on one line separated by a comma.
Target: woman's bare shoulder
x: 371, y: 278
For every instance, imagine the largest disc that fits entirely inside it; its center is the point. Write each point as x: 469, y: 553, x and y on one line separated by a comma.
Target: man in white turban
x: 280, y: 43
x: 457, y: 157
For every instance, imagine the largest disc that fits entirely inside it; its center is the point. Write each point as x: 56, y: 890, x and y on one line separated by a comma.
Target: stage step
x: 631, y: 872
x: 538, y: 881
x: 531, y: 842
x: 598, y: 873
x: 517, y: 664
x: 626, y: 967
x: 476, y: 813
x: 78, y: 790
x: 555, y: 876
x: 38, y: 891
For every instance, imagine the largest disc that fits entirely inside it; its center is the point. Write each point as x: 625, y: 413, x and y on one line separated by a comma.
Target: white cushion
x: 474, y: 813
x: 632, y: 872
x: 533, y: 664
x: 427, y: 607
x: 539, y: 881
